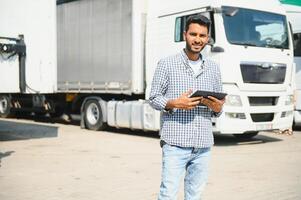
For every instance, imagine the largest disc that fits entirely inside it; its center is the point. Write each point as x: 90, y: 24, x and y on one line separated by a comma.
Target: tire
x: 247, y: 135
x: 5, y: 106
x: 93, y: 116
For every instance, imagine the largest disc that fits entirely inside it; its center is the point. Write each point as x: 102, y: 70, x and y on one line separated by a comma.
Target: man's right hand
x: 183, y: 102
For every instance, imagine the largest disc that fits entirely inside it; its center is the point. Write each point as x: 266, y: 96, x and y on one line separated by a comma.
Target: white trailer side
x: 100, y: 46
x: 36, y: 21
x: 294, y: 16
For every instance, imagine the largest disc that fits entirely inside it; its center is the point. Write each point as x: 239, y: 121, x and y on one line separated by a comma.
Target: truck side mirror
x: 216, y: 49
x: 210, y: 41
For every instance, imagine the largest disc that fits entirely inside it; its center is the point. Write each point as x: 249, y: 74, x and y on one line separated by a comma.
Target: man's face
x: 196, y: 38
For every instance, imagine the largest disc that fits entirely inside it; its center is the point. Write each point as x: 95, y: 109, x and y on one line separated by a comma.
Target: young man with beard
x: 186, y: 131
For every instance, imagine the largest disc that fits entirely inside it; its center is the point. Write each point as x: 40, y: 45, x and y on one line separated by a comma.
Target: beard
x: 191, y: 49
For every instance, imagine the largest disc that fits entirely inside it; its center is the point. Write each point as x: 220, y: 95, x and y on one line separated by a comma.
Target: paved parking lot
x: 56, y: 161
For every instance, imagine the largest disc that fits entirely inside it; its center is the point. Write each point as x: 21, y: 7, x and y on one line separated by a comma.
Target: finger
x: 194, y: 103
x: 221, y: 102
x: 213, y: 98
x: 206, y: 101
x: 195, y: 98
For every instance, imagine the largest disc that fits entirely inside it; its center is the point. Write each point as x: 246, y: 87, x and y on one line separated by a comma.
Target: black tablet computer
x: 203, y: 93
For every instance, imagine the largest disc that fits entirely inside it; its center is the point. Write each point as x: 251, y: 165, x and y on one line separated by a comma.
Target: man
x: 186, y: 131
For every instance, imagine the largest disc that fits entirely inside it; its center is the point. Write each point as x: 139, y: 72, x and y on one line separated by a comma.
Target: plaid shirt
x: 173, y: 77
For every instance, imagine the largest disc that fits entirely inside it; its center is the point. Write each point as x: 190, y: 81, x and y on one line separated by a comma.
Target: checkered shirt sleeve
x: 159, y: 87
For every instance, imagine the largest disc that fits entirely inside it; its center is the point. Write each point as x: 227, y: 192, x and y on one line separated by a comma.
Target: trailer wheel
x: 5, y: 106
x: 247, y: 135
x: 93, y: 115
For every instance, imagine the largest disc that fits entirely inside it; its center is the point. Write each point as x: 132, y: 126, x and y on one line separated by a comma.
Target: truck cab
x: 253, y: 47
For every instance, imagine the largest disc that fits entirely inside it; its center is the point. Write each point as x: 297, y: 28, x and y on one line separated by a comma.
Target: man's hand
x: 184, y: 102
x: 213, y: 103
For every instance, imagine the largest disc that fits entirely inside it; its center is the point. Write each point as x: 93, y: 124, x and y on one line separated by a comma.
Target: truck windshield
x: 255, y: 28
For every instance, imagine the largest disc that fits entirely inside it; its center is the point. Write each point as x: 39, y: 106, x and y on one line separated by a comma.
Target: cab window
x: 181, y: 22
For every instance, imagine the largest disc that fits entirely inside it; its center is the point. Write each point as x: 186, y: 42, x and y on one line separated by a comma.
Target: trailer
x: 96, y: 59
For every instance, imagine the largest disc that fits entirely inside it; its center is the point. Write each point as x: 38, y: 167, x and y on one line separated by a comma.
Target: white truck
x: 294, y: 15
x: 96, y: 58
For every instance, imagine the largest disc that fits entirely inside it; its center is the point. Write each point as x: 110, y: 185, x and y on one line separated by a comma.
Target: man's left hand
x: 213, y: 103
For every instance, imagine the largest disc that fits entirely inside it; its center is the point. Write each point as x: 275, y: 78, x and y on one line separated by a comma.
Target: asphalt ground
x: 43, y: 159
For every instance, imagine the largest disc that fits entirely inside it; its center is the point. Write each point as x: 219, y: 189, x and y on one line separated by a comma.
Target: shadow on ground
x: 297, y: 128
x: 45, y: 118
x: 10, y: 130
x: 220, y: 140
x: 230, y: 140
x: 5, y: 154
x: 149, y: 134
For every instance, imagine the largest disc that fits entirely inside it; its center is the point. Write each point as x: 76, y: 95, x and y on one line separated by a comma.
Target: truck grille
x: 262, y: 117
x: 267, y: 73
x: 263, y: 101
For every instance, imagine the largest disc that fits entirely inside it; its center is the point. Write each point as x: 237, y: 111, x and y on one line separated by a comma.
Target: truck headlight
x: 233, y: 100
x: 236, y: 115
x: 289, y: 100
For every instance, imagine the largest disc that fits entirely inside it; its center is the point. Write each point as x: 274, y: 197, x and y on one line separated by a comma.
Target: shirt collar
x: 186, y: 59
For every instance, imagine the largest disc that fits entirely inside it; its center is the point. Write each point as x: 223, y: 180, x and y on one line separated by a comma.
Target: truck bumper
x: 227, y: 125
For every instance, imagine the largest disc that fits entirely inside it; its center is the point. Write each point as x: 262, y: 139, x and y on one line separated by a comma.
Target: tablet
x: 203, y: 93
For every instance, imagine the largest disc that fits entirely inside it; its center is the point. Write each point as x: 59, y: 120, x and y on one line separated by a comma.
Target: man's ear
x: 208, y: 39
x: 184, y: 35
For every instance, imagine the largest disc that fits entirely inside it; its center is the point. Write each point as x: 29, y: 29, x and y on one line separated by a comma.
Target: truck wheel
x: 93, y: 116
x: 5, y: 106
x: 247, y: 135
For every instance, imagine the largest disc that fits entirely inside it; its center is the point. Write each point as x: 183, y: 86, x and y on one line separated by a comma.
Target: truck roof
x: 294, y: 15
x: 170, y: 6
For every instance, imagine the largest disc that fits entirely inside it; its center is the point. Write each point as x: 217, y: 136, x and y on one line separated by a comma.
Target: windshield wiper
x: 278, y: 46
x: 245, y: 43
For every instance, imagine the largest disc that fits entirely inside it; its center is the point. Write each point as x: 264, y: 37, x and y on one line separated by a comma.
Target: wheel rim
x: 3, y: 105
x: 92, y: 114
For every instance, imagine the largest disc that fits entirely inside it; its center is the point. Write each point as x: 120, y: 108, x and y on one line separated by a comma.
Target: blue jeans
x: 175, y: 161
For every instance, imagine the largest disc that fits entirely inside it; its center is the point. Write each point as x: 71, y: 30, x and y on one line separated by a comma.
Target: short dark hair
x: 198, y: 19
